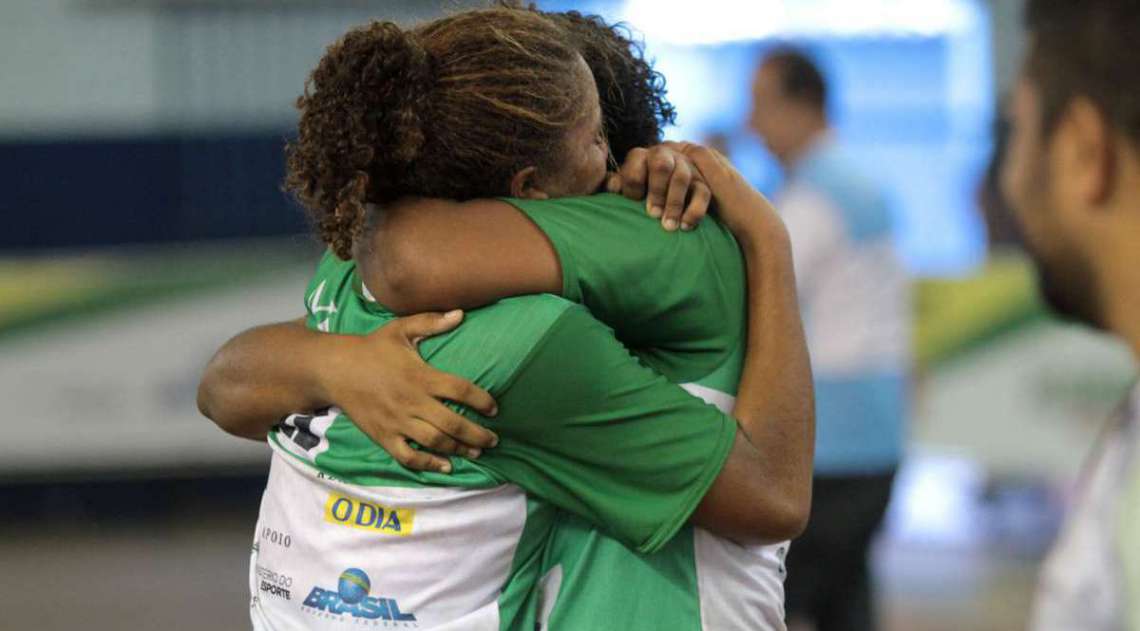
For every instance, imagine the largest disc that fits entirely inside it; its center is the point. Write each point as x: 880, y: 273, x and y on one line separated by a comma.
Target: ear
x: 524, y: 185
x: 1091, y: 157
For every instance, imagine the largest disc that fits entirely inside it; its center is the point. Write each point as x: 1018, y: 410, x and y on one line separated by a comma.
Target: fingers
x: 426, y: 435
x: 448, y: 386
x: 634, y: 173
x: 666, y: 177
x: 661, y: 165
x: 417, y: 327
x: 711, y: 164
x: 415, y: 459
x: 681, y: 177
x: 469, y: 434
x: 698, y: 206
x: 680, y: 146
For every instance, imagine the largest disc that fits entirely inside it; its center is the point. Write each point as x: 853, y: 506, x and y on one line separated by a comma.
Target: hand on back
x: 393, y: 396
x: 679, y: 180
x: 673, y: 189
x: 742, y: 208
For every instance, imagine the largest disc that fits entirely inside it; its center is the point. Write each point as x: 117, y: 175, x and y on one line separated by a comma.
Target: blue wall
x: 143, y: 190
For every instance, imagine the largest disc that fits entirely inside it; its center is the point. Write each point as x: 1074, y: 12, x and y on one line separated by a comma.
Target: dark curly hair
x: 452, y: 108
x: 635, y: 110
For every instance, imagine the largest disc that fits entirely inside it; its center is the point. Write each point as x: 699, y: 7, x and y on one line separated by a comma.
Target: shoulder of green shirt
x: 589, y: 428
x: 678, y: 295
x: 566, y: 220
x: 494, y: 343
x: 574, y: 404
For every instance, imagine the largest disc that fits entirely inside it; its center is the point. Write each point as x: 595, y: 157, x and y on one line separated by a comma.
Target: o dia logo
x: 351, y: 598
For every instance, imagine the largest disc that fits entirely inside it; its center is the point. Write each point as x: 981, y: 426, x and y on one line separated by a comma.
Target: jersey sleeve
x: 678, y: 295
x: 586, y: 427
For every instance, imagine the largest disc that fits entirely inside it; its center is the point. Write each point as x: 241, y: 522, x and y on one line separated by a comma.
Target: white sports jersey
x: 314, y: 533
x: 1088, y: 582
x: 741, y: 587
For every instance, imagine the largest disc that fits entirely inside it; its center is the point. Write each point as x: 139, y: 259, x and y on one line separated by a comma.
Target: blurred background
x: 140, y: 161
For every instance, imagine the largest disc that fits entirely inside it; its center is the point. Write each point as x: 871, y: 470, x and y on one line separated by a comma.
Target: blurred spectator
x: 854, y: 295
x: 1072, y: 176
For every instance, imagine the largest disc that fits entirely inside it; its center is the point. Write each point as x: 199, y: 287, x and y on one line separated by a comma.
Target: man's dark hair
x: 1086, y: 48
x: 800, y: 78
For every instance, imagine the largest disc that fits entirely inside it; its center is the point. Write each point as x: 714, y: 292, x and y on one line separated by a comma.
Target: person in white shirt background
x: 854, y: 295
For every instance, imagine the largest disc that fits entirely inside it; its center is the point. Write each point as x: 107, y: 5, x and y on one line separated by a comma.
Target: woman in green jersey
x: 722, y: 507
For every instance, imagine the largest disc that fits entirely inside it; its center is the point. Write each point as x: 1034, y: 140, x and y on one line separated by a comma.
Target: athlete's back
x: 340, y: 504
x: 346, y: 533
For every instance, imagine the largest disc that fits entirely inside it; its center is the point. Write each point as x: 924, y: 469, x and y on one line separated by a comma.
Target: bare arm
x: 764, y: 491
x: 435, y: 254
x: 268, y: 372
x: 246, y: 387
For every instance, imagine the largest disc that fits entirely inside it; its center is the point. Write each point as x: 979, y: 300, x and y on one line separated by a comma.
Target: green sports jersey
x: 586, y: 430
x: 677, y: 299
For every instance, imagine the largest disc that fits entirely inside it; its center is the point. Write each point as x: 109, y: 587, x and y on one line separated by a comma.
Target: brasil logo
x: 353, y: 586
x: 351, y: 598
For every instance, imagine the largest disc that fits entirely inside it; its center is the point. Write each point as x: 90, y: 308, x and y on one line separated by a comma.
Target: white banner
x: 117, y: 392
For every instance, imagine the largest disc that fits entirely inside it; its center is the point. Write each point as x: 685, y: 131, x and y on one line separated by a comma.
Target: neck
x: 813, y: 132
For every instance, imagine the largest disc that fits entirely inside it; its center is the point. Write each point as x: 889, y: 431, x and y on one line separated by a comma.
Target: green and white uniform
x: 346, y: 537
x: 678, y: 301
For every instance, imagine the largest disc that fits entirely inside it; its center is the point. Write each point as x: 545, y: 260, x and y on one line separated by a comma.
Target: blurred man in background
x: 854, y: 297
x: 1072, y: 175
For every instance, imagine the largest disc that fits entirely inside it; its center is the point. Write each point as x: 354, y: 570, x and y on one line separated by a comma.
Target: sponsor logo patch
x: 364, y: 515
x: 273, y: 583
x: 352, y: 600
